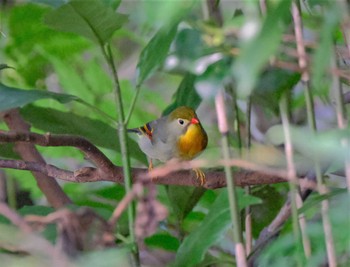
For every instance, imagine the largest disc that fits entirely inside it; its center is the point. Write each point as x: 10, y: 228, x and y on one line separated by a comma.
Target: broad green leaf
x: 13, y: 97
x: 27, y: 43
x: 165, y: 13
x: 317, y: 199
x: 91, y: 19
x: 272, y: 84
x: 183, y: 199
x: 98, y: 132
x: 155, y: 52
x: 163, y: 241
x: 189, y: 44
x: 211, y: 230
x: 256, y: 53
x: 282, y: 252
x: 7, y: 151
x: 53, y: 3
x: 5, y: 66
x: 324, y: 147
x: 185, y: 95
x: 264, y: 213
x: 321, y: 62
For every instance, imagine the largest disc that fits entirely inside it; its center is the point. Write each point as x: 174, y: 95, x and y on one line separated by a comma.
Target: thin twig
x: 14, y: 217
x: 232, y: 195
x: 305, y: 77
x: 291, y: 174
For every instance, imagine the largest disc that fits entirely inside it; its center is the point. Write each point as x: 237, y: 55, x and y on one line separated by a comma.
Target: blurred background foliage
x: 180, y: 53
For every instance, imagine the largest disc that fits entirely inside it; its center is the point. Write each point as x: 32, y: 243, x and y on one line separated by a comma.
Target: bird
x: 179, y: 135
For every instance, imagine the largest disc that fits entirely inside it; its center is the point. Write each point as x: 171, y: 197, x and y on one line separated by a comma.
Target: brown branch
x: 14, y: 217
x: 91, y: 152
x: 214, y: 179
x: 51, y: 189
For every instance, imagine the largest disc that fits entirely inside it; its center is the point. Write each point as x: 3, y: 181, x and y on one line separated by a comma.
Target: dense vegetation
x: 269, y: 80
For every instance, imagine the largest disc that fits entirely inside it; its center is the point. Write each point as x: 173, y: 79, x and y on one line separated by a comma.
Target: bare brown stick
x: 14, y: 217
x: 136, y: 190
x: 51, y: 189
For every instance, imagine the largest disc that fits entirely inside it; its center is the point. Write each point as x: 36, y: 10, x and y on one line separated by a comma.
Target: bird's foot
x: 200, y: 176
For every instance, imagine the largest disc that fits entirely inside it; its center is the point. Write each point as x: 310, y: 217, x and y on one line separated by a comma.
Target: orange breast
x: 192, y: 142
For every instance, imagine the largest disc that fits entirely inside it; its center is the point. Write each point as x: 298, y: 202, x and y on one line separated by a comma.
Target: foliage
x: 55, y: 67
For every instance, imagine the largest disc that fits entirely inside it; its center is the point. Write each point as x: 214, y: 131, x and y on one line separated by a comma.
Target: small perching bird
x: 178, y: 135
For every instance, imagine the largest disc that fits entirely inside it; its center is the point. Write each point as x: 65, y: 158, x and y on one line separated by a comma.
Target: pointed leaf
x: 185, y: 95
x: 155, y: 52
x: 256, y: 53
x: 91, y: 19
x: 13, y: 97
x: 183, y: 199
x: 322, y: 57
x: 5, y: 66
x: 59, y: 122
x: 213, y: 228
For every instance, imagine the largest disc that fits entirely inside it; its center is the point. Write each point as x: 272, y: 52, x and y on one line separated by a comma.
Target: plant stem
x: 232, y: 196
x: 107, y: 52
x: 248, y: 215
x: 291, y: 177
x: 132, y: 106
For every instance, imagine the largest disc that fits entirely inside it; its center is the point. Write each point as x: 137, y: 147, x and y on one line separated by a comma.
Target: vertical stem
x: 11, y: 192
x: 322, y: 189
x: 298, y: 30
x: 123, y: 145
x: 291, y: 173
x: 132, y: 106
x: 248, y: 215
x: 232, y: 196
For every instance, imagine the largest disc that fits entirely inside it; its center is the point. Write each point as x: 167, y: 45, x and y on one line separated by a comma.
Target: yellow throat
x: 193, y: 141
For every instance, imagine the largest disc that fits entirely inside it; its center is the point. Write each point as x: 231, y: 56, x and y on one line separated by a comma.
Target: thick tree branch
x: 214, y: 179
x: 106, y: 171
x: 51, y: 189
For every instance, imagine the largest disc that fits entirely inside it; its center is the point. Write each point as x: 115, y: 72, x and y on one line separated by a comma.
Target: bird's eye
x: 181, y: 122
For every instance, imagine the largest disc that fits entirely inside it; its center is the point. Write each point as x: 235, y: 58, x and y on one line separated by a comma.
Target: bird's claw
x: 200, y: 175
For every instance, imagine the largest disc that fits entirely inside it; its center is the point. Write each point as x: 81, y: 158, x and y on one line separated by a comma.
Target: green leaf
x: 322, y: 58
x: 183, y: 199
x: 211, y: 230
x: 5, y: 66
x: 155, y: 52
x: 317, y: 199
x: 271, y: 86
x: 13, y: 97
x: 91, y: 19
x: 189, y: 44
x: 256, y: 53
x: 164, y: 241
x: 185, y: 95
x: 264, y: 213
x: 59, y: 122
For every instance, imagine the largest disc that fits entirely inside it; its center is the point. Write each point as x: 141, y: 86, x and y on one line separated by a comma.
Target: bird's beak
x: 194, y: 121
